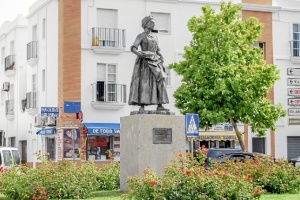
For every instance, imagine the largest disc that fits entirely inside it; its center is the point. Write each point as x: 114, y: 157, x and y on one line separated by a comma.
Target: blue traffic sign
x: 71, y: 107
x: 50, y: 111
x: 192, y: 125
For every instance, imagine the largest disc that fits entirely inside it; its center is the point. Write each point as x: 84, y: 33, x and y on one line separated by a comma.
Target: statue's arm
x: 135, y: 46
x: 159, y: 54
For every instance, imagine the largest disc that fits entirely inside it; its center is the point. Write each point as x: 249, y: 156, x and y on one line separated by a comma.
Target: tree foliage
x: 224, y: 77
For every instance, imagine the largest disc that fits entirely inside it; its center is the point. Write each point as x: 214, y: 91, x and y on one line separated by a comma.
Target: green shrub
x: 185, y: 178
x: 108, y: 177
x: 62, y: 180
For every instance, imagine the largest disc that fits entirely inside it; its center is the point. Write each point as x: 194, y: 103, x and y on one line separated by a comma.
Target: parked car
x: 9, y: 156
x: 295, y: 161
x: 215, y: 153
x: 240, y: 156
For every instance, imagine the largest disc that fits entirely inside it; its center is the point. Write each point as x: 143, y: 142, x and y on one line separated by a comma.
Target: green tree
x: 224, y: 77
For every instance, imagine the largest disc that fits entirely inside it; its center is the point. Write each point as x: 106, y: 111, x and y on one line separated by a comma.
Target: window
x: 107, y: 18
x: 162, y: 22
x: 12, y: 141
x: 43, y: 80
x: 296, y: 40
x: 97, y: 147
x: 106, y: 82
x: 261, y: 45
x: 50, y: 147
x: 44, y: 28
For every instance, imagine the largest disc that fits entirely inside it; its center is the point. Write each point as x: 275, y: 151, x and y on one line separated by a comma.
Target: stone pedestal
x: 149, y: 140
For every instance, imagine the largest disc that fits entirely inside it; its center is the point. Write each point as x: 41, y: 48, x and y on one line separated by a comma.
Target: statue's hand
x: 141, y: 54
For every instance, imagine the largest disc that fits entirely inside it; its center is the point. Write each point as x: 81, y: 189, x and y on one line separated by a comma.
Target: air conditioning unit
x: 38, y: 122
x: 50, y: 121
x: 5, y: 86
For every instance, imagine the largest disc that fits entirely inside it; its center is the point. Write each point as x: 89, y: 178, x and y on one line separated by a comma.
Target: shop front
x: 102, y: 137
x: 218, y: 139
x: 48, y: 137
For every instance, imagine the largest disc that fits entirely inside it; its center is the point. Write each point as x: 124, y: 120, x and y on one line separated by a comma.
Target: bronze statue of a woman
x: 148, y: 79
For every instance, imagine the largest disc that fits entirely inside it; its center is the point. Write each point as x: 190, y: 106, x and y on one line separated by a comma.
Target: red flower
x: 180, y: 155
x: 224, y: 174
x: 153, y: 183
x: 188, y: 172
x: 181, y: 169
x: 248, y: 178
x: 256, y: 191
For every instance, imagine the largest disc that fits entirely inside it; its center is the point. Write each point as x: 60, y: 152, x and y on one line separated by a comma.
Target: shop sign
x: 294, y: 101
x: 50, y: 111
x: 294, y: 111
x: 217, y: 137
x: 294, y: 121
x: 293, y: 91
x: 293, y: 71
x: 105, y: 131
x: 293, y: 81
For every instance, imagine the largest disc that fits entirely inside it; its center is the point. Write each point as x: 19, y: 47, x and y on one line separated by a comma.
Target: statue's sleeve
x: 137, y: 42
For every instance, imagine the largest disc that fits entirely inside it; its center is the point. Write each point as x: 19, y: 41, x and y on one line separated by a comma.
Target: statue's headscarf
x: 146, y: 20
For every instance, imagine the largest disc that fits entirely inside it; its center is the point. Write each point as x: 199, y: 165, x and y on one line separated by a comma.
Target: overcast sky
x: 9, y: 9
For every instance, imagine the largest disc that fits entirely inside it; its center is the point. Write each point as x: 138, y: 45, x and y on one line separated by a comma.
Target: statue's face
x: 151, y: 24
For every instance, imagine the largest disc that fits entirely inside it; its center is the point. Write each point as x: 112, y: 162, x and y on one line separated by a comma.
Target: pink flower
x: 181, y: 169
x: 153, y: 183
x: 146, y: 171
x: 257, y: 191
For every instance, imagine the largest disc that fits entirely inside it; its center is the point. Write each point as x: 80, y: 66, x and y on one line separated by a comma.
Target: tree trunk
x: 238, y: 134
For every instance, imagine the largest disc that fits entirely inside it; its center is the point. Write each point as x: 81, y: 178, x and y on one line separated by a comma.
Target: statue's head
x: 146, y: 20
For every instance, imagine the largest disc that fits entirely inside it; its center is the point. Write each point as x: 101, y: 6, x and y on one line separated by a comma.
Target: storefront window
x: 71, y: 143
x: 97, y: 147
x: 50, y: 147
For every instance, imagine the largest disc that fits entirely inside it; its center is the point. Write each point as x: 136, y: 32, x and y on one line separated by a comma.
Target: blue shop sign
x: 46, y: 131
x: 102, y: 128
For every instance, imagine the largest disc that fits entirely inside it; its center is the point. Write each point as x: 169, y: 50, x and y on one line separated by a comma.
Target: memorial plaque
x: 162, y: 135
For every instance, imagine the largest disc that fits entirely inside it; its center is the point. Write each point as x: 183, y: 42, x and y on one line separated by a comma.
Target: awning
x: 102, y: 128
x: 46, y: 131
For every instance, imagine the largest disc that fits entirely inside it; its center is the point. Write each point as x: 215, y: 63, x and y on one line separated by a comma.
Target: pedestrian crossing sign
x: 192, y: 125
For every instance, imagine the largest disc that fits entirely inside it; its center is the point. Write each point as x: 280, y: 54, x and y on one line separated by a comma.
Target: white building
x: 76, y: 57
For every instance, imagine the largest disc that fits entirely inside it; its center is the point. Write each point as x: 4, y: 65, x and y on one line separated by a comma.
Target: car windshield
x: 7, y: 157
x: 16, y: 157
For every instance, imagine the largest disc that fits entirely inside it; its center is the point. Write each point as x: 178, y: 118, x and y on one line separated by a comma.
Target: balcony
x: 10, y: 109
x: 108, y: 96
x: 295, y: 51
x: 31, y: 103
x: 32, y: 53
x: 108, y: 40
x: 10, y: 65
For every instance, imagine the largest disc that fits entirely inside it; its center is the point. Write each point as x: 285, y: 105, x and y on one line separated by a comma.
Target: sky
x: 9, y: 9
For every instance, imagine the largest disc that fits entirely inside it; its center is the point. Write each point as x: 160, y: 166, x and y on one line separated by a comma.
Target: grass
x: 117, y: 195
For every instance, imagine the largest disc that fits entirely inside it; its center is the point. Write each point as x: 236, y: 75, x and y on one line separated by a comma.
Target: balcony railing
x: 109, y: 92
x: 32, y: 50
x: 10, y: 62
x: 110, y: 37
x: 31, y: 100
x: 9, y: 107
